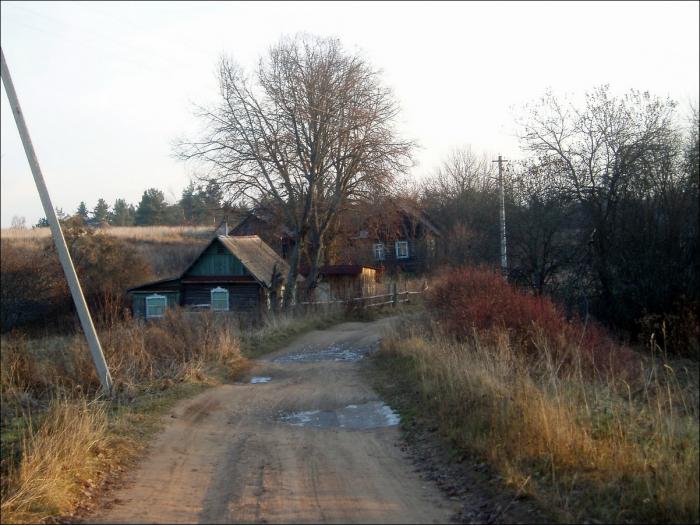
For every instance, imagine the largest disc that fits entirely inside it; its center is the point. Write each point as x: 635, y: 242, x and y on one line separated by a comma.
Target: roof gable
x: 257, y: 257
x: 217, y: 260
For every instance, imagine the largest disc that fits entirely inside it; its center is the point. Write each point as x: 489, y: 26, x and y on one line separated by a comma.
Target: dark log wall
x: 138, y: 301
x: 420, y: 257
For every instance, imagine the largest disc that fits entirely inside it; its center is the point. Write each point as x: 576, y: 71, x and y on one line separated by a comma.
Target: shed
x: 347, y: 281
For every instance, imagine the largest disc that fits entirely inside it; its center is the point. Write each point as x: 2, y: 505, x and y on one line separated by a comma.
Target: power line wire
x: 111, y: 16
x: 103, y: 38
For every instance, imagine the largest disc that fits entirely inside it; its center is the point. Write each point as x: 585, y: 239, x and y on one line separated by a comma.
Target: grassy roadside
x: 607, y: 450
x: 76, y: 447
x: 483, y: 495
x: 61, y: 446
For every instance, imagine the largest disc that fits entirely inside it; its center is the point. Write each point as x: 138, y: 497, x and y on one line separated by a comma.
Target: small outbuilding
x: 347, y: 281
x: 232, y: 273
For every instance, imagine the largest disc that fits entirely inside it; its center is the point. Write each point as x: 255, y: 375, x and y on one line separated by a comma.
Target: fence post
x: 394, y: 295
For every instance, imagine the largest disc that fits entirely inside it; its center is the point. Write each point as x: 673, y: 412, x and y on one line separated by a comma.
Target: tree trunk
x: 315, y: 255
x: 291, y: 284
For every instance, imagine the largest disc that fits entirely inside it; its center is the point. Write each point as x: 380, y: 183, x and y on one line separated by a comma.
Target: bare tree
x: 542, y: 235
x: 312, y: 133
x: 18, y: 223
x: 619, y: 159
x: 461, y: 172
x: 462, y: 196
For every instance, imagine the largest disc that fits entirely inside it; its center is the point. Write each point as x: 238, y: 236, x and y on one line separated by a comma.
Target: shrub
x: 677, y: 331
x: 31, y: 285
x: 477, y: 299
x: 34, y: 288
x: 140, y: 355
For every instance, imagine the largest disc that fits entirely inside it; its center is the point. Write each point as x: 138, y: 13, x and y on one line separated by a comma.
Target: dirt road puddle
x: 332, y: 353
x: 374, y: 414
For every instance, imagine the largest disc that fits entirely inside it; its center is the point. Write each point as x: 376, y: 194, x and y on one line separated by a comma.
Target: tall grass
x: 59, y: 441
x: 604, y: 443
x: 56, y: 443
x: 59, y: 460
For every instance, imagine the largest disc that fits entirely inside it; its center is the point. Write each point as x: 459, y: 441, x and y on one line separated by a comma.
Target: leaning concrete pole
x: 63, y: 254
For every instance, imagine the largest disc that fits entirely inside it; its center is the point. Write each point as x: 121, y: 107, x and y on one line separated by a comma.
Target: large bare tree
x: 311, y: 132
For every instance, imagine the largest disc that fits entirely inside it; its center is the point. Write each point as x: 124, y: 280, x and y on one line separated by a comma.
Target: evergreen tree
x: 123, y: 214
x: 212, y: 196
x: 82, y: 211
x: 42, y: 223
x: 151, y: 209
x: 174, y: 215
x: 187, y: 202
x: 200, y: 205
x: 100, y: 214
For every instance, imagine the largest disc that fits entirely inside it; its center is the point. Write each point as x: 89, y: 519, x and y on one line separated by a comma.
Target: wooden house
x: 395, y: 236
x: 232, y: 273
x: 269, y: 227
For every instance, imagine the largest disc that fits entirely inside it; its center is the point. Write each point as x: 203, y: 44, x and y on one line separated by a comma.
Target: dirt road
x: 309, y: 441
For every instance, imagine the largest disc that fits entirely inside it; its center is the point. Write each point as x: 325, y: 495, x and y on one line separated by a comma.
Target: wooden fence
x: 393, y: 298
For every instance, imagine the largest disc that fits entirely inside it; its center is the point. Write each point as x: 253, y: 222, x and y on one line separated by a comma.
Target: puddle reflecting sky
x: 374, y: 414
x: 332, y: 353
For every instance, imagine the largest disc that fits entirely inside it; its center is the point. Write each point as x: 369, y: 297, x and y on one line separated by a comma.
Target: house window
x: 379, y: 251
x: 402, y: 249
x: 155, y: 306
x: 219, y: 299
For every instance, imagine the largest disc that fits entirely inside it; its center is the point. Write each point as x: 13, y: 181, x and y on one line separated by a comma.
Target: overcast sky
x: 106, y: 87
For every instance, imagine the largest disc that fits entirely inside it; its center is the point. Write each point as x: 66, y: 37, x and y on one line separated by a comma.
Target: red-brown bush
x: 478, y: 298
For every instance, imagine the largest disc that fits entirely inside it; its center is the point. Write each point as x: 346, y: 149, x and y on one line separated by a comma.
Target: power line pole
x: 60, y: 242
x: 504, y: 258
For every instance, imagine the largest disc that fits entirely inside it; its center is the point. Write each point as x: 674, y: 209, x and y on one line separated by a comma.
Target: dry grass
x: 59, y: 443
x: 613, y: 449
x: 168, y: 249
x: 57, y: 440
x: 277, y: 330
x: 135, y: 233
x: 59, y: 460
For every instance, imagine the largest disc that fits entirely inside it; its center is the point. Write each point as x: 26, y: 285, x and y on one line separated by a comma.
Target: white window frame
x: 399, y: 245
x: 158, y: 297
x: 219, y: 289
x: 379, y: 251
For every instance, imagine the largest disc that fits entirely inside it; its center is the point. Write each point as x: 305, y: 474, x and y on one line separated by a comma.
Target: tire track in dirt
x: 227, y: 456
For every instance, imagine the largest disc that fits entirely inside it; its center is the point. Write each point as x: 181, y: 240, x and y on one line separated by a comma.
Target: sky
x: 107, y: 87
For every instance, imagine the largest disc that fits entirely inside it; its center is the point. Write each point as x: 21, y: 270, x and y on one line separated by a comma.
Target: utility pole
x: 504, y: 258
x: 60, y: 242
